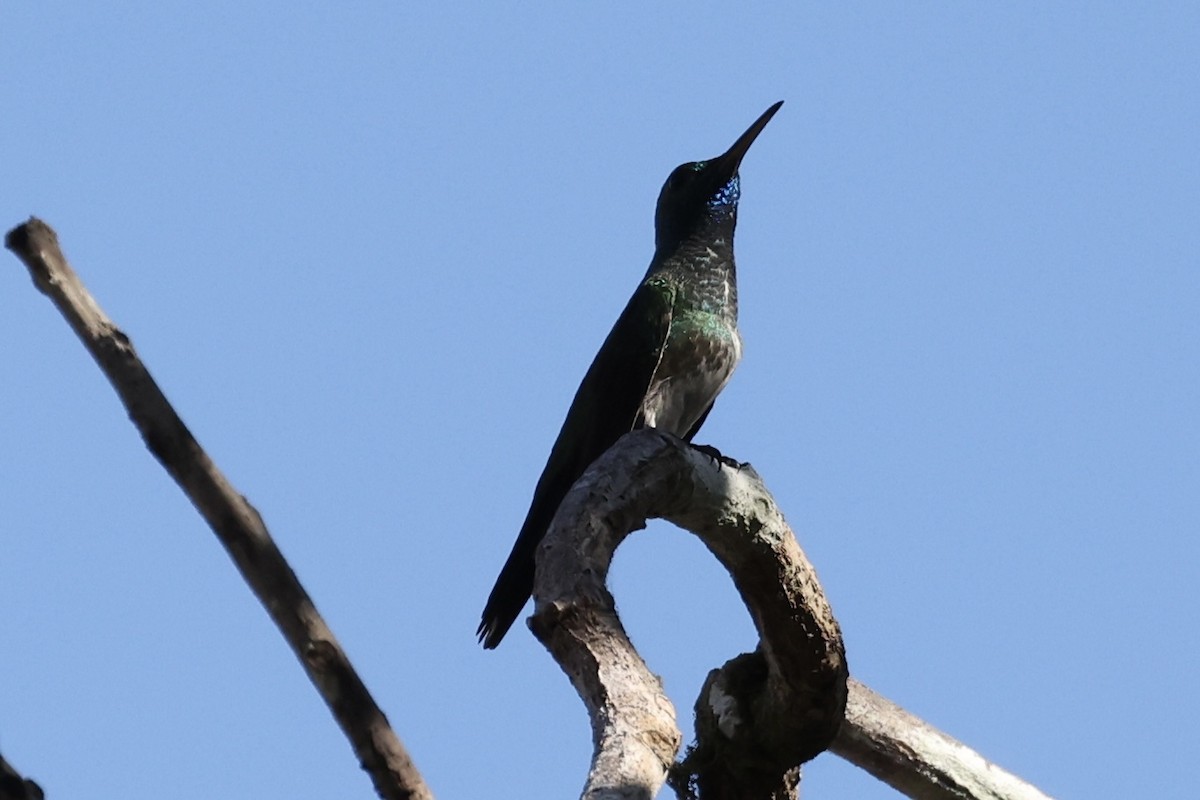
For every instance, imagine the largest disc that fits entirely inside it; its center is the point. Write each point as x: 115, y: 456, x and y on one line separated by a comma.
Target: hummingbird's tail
x: 515, y: 583
x: 508, y: 596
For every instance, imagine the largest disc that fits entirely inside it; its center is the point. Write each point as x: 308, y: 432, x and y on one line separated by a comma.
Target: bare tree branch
x: 915, y: 758
x: 236, y: 523
x: 780, y: 707
x: 15, y: 787
x: 761, y: 714
x: 758, y: 717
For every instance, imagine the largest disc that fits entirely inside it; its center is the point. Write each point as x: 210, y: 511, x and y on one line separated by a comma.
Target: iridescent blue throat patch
x: 727, y: 195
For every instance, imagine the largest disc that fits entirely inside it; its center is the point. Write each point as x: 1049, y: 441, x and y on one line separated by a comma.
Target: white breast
x: 676, y: 401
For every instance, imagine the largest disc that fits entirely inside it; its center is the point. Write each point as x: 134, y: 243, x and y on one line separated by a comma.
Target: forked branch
x: 769, y: 711
x: 760, y: 715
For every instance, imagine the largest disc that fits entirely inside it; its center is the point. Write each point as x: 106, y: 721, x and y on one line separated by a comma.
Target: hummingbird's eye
x: 678, y: 178
x: 683, y: 175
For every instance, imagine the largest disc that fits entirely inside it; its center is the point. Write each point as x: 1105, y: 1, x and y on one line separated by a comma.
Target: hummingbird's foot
x: 716, y: 456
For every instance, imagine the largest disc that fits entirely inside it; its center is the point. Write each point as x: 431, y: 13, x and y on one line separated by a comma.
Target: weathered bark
x: 916, y: 759
x: 760, y: 715
x: 235, y: 522
x: 766, y: 720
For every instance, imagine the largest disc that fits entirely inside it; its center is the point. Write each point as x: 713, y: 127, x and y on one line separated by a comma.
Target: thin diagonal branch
x: 235, y: 522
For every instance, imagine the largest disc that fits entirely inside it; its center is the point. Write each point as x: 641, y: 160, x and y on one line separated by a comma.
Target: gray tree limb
x: 915, y: 758
x: 769, y: 711
x: 235, y: 522
x: 760, y: 715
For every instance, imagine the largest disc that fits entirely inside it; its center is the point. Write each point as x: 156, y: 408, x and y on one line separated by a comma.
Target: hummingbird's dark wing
x: 696, y: 425
x: 606, y: 406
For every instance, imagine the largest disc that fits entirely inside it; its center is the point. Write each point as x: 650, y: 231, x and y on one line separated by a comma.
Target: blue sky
x: 369, y: 249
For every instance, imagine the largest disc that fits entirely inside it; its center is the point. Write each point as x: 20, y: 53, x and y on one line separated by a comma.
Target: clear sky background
x: 368, y: 249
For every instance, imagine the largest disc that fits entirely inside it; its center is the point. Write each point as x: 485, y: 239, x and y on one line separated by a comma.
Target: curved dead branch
x: 760, y: 715
x: 782, y: 711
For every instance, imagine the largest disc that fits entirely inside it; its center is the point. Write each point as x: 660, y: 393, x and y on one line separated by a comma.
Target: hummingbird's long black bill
x: 731, y: 159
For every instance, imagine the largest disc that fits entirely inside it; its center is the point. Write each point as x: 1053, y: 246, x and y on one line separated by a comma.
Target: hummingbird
x: 666, y: 359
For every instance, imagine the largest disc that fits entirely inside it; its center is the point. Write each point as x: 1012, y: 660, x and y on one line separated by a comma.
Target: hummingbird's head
x: 702, y: 193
